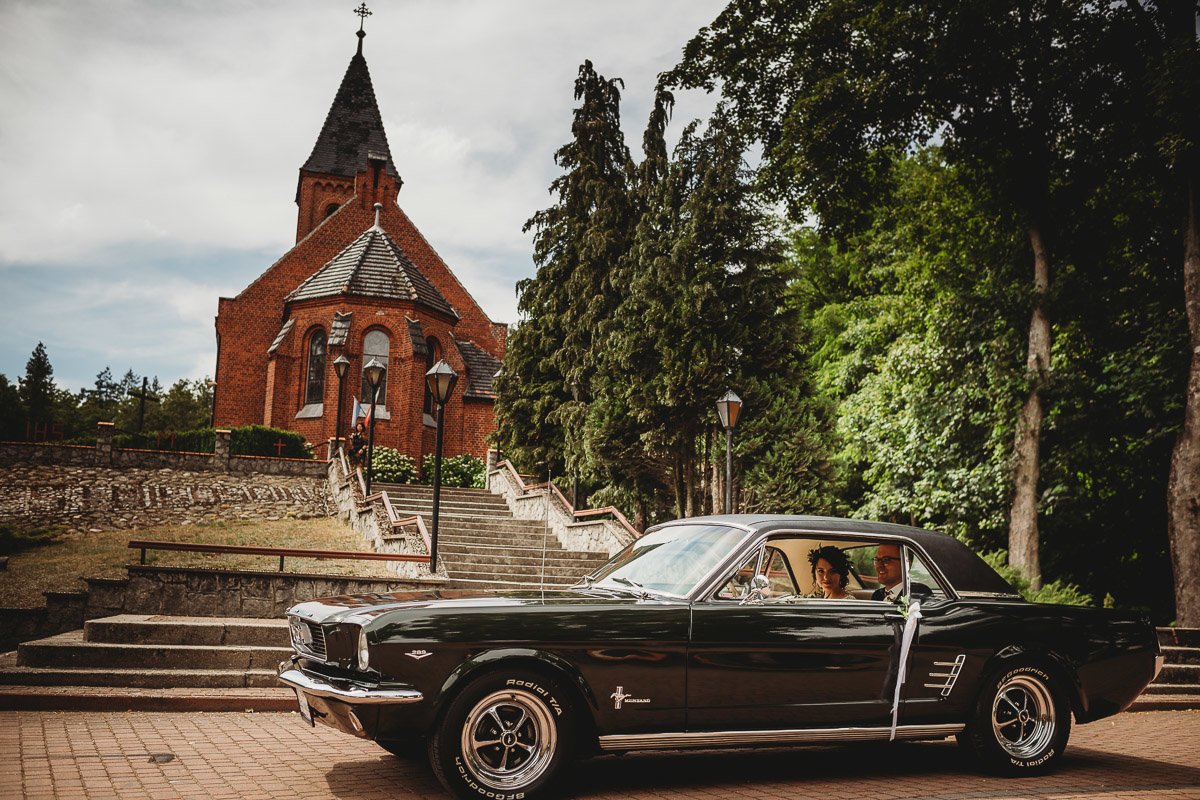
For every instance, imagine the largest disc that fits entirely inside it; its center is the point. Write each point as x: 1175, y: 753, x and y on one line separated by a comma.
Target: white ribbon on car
x: 911, y: 621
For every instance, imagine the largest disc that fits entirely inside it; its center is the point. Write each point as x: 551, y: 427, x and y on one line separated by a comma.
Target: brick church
x: 361, y: 281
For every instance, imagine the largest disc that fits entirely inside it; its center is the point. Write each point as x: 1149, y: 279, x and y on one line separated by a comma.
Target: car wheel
x: 1022, y: 721
x: 506, y: 736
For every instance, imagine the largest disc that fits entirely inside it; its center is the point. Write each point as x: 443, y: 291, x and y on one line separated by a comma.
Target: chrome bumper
x: 353, y: 693
x: 1158, y: 665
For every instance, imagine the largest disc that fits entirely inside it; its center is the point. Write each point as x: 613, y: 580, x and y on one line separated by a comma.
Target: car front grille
x: 308, y: 637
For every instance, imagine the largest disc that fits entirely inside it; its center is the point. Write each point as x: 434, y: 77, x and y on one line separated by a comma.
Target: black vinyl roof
x: 962, y: 566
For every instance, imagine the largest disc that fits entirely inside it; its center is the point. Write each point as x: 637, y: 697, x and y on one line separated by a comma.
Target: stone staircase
x: 152, y: 663
x: 1178, y: 685
x: 482, y: 545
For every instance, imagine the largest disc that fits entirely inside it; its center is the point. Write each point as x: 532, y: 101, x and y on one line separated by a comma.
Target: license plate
x: 305, y: 712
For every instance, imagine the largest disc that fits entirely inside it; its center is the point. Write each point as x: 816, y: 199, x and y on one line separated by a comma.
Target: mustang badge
x: 619, y: 697
x: 419, y: 654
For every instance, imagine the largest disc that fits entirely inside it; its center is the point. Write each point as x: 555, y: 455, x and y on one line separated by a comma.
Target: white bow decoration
x: 911, y: 621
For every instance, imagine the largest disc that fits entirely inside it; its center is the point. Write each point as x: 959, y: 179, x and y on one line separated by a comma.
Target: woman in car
x: 831, y: 571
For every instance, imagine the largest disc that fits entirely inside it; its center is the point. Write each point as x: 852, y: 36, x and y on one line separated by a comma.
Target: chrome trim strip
x: 672, y: 741
x: 951, y: 677
x: 351, y: 693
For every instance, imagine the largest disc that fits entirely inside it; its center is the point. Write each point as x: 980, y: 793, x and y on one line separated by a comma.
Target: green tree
x: 12, y: 412
x: 570, y: 299
x: 37, y: 389
x: 837, y: 88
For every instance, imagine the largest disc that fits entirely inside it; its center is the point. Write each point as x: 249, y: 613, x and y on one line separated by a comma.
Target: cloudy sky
x: 149, y: 150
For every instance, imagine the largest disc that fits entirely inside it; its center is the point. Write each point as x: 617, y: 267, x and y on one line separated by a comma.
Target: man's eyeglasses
x: 883, y: 561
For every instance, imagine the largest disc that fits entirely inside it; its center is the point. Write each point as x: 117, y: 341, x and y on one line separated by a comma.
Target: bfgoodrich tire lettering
x: 505, y: 737
x: 1022, y: 721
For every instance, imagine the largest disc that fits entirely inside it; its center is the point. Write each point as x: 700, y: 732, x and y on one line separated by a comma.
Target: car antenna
x: 546, y: 528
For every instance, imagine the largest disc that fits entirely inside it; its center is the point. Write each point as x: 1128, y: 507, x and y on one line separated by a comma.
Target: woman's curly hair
x: 837, y: 559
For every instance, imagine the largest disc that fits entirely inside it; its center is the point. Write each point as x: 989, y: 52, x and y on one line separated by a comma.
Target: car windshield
x: 668, y: 561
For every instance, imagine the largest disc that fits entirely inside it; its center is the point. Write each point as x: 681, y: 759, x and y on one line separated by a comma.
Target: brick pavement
x: 164, y: 756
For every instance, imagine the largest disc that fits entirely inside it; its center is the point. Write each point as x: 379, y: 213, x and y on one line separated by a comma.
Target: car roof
x: 962, y: 566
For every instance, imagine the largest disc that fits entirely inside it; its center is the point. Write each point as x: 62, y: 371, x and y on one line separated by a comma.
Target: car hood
x: 364, y: 607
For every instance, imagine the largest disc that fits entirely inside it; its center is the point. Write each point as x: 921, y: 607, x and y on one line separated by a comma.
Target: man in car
x: 891, y: 576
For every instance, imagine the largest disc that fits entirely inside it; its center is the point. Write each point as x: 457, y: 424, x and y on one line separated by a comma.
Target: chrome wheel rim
x: 1023, y: 718
x: 509, y: 739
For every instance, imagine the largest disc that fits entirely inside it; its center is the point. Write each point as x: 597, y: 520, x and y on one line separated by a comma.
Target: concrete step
x: 1172, y: 688
x: 70, y: 650
x: 101, y: 698
x: 207, y: 631
x: 415, y: 492
x: 528, y: 576
x: 1179, y: 637
x: 1166, y: 702
x: 493, y: 525
x: 13, y: 674
x: 510, y: 560
x: 451, y: 508
x: 518, y: 548
x: 1181, y: 655
x: 1180, y: 674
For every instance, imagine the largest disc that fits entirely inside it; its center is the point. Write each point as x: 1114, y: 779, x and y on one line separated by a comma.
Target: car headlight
x: 364, y: 655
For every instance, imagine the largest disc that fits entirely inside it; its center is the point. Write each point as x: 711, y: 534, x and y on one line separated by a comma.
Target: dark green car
x: 719, y: 632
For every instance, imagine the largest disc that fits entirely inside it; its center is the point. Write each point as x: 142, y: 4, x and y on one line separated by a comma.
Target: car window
x: 920, y: 576
x: 738, y: 585
x: 779, y: 573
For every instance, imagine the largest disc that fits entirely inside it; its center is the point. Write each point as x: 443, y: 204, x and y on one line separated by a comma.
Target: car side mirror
x: 760, y: 587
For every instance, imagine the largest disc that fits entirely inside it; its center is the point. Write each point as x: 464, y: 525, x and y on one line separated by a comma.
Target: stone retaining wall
x: 104, y: 454
x: 184, y: 591
x: 85, y: 498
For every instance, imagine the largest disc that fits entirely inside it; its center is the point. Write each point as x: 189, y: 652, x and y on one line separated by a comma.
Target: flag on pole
x: 355, y: 410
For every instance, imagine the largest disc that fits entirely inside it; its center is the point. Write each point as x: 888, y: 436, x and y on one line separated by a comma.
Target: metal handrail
x: 282, y: 552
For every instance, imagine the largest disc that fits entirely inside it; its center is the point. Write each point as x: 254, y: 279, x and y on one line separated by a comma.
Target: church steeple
x: 351, y: 140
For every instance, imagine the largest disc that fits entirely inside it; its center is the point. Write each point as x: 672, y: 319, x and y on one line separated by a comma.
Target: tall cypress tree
x: 567, y: 305
x: 37, y: 387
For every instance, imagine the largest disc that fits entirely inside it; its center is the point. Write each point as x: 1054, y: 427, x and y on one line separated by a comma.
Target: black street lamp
x: 440, y: 379
x: 729, y: 408
x: 340, y: 365
x: 374, y: 371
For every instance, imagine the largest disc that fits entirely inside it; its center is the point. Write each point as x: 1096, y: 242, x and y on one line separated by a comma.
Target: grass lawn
x: 64, y: 563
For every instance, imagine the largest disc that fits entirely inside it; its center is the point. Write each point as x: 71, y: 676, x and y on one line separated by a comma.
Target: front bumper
x: 349, y: 706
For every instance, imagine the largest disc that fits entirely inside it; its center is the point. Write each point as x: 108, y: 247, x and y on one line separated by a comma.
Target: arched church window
x: 375, y: 345
x: 314, y: 391
x: 330, y: 209
x: 433, y: 354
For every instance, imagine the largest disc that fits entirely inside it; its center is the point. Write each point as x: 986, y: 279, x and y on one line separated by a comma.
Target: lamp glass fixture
x: 729, y: 408
x: 340, y: 365
x: 441, y: 378
x: 374, y: 370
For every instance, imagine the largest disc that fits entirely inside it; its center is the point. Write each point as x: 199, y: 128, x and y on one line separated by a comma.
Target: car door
x: 796, y: 663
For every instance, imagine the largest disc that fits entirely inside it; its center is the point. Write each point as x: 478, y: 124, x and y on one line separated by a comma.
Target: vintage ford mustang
x: 711, y: 632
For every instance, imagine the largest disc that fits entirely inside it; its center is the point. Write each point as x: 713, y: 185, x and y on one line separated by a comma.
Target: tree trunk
x: 1023, y: 516
x: 1183, y: 488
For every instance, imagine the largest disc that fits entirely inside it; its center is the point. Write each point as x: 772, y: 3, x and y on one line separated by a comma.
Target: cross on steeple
x: 363, y: 12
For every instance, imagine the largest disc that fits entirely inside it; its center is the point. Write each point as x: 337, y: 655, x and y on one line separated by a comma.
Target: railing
x: 395, y: 519
x: 281, y: 552
x: 575, y: 515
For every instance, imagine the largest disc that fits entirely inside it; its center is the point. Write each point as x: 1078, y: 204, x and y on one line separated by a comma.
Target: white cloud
x: 135, y: 128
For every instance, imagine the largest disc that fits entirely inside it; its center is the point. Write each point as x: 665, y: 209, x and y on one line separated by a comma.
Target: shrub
x: 14, y: 541
x: 464, y: 470
x: 392, y: 466
x: 259, y: 440
x: 1067, y: 594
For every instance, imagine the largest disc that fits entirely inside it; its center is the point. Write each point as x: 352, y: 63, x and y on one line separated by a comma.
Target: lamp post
x: 440, y: 379
x: 374, y: 371
x: 340, y: 365
x: 729, y: 408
